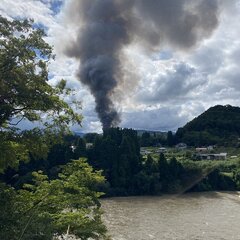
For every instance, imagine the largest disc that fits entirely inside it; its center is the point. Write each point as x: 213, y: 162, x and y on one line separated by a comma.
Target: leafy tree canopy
x: 43, y: 209
x: 47, y: 209
x: 25, y: 93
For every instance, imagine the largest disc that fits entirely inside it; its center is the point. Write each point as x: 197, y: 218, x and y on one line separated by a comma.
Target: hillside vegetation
x: 218, y: 125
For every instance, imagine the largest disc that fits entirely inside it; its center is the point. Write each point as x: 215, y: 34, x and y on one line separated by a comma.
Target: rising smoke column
x: 98, y: 46
x: 107, y: 26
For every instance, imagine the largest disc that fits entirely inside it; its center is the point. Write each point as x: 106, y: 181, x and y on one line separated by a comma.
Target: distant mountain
x: 80, y: 134
x: 218, y: 125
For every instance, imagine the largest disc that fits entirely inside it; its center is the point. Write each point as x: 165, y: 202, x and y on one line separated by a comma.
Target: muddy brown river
x: 194, y: 216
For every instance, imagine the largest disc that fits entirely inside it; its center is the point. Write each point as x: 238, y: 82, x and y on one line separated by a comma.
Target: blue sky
x: 172, y: 86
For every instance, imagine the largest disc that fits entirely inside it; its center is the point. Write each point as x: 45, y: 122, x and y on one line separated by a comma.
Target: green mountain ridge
x: 218, y: 125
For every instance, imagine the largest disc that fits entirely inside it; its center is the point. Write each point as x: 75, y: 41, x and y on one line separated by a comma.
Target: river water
x: 193, y: 216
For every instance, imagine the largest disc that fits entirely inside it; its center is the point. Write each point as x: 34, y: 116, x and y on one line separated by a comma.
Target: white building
x: 201, y: 149
x: 181, y: 146
x: 161, y: 150
x: 89, y: 145
x: 210, y: 156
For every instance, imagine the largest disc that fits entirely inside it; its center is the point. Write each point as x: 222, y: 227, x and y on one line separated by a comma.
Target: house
x: 181, y: 146
x: 210, y: 156
x: 201, y: 149
x: 89, y: 145
x: 210, y: 148
x: 143, y: 151
x: 161, y: 150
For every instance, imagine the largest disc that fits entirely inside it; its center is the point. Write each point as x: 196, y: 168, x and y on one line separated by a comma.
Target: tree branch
x: 15, y: 124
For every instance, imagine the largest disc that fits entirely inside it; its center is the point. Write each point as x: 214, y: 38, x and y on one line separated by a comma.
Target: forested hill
x: 218, y: 125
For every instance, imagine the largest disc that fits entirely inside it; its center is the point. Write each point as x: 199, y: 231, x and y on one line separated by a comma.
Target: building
x: 181, y: 146
x: 143, y: 151
x: 210, y: 148
x: 89, y: 145
x: 204, y: 149
x: 161, y: 150
x: 201, y: 149
x: 211, y: 156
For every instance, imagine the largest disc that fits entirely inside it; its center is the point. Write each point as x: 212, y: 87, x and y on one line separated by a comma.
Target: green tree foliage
x: 90, y: 137
x: 148, y: 139
x: 163, y: 166
x: 79, y: 148
x: 71, y: 147
x: 150, y: 165
x: 24, y: 89
x: 47, y: 208
x: 163, y: 171
x: 150, y: 177
x: 117, y: 153
x: 236, y: 177
x: 43, y: 208
x: 216, y: 180
x: 218, y: 125
x: 26, y: 94
x: 170, y: 139
x: 159, y: 176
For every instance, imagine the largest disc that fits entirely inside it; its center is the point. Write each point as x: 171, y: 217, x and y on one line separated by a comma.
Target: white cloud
x: 173, y: 86
x: 36, y: 10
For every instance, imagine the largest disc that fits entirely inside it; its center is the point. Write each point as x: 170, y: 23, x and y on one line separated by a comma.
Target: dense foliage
x: 218, y: 125
x: 154, y: 139
x: 25, y: 93
x: 40, y: 208
x: 129, y: 173
x: 59, y: 155
x: 117, y: 152
x: 49, y: 208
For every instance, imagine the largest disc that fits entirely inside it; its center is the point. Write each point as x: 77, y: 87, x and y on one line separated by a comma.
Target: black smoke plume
x: 107, y: 26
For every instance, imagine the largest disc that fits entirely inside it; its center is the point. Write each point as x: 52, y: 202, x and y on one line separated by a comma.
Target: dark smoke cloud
x: 107, y: 26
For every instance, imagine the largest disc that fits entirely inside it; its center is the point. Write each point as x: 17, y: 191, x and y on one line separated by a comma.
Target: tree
x: 170, y: 139
x: 25, y: 93
x: 90, y: 137
x: 47, y: 209
x: 150, y: 165
x: 163, y: 171
x: 175, y: 168
x: 151, y: 176
x: 80, y: 150
x: 146, y: 139
x: 43, y: 209
x: 236, y: 177
x: 117, y: 152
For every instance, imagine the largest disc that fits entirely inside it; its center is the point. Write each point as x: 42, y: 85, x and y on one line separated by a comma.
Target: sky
x: 172, y: 87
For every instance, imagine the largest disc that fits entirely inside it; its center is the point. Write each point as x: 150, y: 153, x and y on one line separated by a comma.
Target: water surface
x: 194, y: 216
